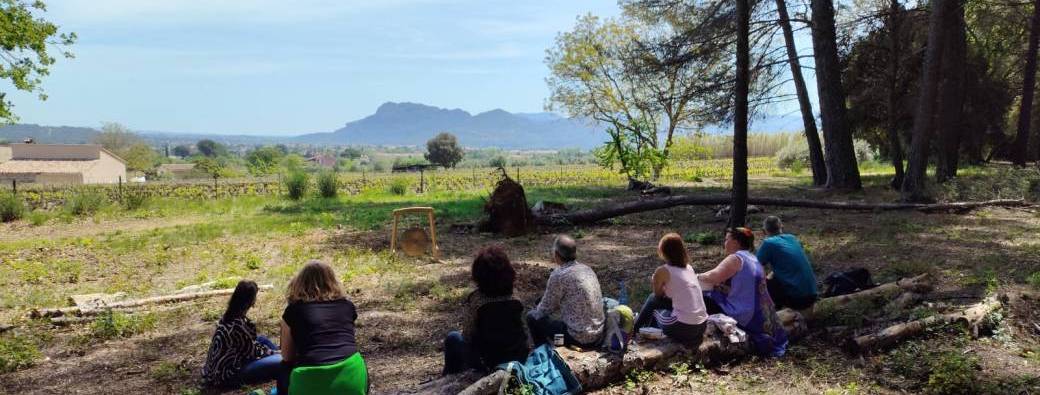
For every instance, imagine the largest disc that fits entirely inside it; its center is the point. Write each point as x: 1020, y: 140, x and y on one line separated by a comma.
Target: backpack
x: 543, y: 372
x: 616, y: 326
x: 843, y: 283
x: 500, y: 334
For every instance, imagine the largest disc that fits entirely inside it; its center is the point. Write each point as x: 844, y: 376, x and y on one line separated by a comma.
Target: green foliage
x: 636, y: 377
x: 628, y: 152
x: 127, y: 145
x: 17, y: 353
x: 135, y: 200
x: 296, y: 184
x: 794, y: 154
x: 498, y: 161
x: 328, y: 183
x: 85, y: 202
x: 111, y: 325
x: 702, y: 238
x: 210, y: 148
x: 12, y: 208
x: 444, y: 150
x: 25, y: 42
x: 1034, y: 280
x: 952, y: 372
x: 214, y: 168
x: 352, y: 153
x: 399, y: 186
x: 37, y: 218
x: 182, y: 151
x: 263, y: 160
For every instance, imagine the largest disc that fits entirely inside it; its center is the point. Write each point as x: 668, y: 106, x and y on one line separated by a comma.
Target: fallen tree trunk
x: 597, y: 369
x: 637, y: 206
x: 970, y: 318
x: 130, y: 304
x: 889, y: 291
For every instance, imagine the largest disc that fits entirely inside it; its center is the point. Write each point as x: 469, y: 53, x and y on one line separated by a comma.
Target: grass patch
x: 85, y: 202
x: 17, y: 353
x: 111, y: 325
x: 12, y: 208
x: 1034, y: 280
x: 296, y: 184
x: 702, y: 238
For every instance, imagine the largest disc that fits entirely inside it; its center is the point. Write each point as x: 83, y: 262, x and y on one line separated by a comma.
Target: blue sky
x: 292, y: 67
x: 289, y: 67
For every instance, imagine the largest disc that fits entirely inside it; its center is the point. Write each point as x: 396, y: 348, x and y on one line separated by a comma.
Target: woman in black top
x: 236, y: 354
x: 318, y: 325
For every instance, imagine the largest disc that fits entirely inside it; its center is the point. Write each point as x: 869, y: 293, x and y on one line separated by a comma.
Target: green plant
x: 17, y: 353
x: 134, y: 200
x: 110, y: 325
x: 952, y: 373
x: 327, y: 184
x: 12, y: 208
x: 637, y: 376
x: 702, y: 238
x: 85, y: 202
x: 399, y: 186
x: 37, y: 218
x: 296, y: 184
x: 1034, y: 280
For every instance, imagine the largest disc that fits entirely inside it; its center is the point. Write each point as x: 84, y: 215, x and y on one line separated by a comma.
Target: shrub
x: 110, y: 325
x: 952, y: 372
x: 85, y: 202
x: 37, y: 218
x: 12, y: 208
x: 1034, y: 280
x: 296, y: 184
x: 702, y: 238
x: 864, y: 153
x: 17, y: 353
x: 327, y: 184
x: 399, y: 186
x: 497, y: 161
x: 793, y: 155
x: 134, y: 200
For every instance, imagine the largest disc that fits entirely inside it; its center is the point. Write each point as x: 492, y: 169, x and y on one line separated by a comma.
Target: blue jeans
x: 264, y: 369
x: 459, y: 355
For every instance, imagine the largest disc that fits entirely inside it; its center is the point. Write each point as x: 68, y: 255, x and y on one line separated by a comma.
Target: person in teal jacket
x: 793, y: 283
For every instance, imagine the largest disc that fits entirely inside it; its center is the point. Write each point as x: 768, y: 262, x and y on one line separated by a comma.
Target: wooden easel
x: 415, y: 210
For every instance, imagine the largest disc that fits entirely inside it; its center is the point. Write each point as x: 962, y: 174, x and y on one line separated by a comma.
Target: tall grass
x: 12, y: 208
x: 296, y: 184
x: 85, y: 202
x: 328, y: 183
x: 759, y: 144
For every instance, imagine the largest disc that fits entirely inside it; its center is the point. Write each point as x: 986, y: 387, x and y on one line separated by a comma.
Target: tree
x: 213, y: 167
x: 951, y: 94
x: 1028, y: 89
x: 738, y: 208
x: 352, y: 153
x: 816, y: 160
x: 25, y: 41
x: 621, y: 74
x: 127, y: 145
x: 914, y: 183
x: 263, y: 160
x: 842, y: 169
x: 210, y: 148
x: 444, y: 150
x: 182, y: 151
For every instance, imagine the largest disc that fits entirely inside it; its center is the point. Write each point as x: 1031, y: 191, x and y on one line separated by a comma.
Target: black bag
x: 500, y: 335
x: 843, y: 283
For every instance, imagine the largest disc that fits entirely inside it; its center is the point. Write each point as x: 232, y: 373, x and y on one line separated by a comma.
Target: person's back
x: 500, y: 334
x: 572, y: 293
x: 322, y: 332
x: 793, y: 283
x: 685, y: 291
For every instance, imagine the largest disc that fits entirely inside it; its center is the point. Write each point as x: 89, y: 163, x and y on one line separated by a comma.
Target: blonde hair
x: 316, y: 282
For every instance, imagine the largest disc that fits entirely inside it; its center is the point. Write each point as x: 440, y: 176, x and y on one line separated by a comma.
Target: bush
x: 85, y: 202
x: 399, y: 186
x: 952, y: 373
x: 17, y: 353
x: 12, y: 208
x: 296, y: 184
x: 327, y: 184
x: 794, y: 155
x: 1034, y: 280
x: 702, y: 238
x: 110, y: 325
x: 497, y: 161
x: 134, y: 200
x: 864, y: 153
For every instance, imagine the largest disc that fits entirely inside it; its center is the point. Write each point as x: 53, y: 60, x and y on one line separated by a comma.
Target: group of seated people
x: 319, y: 353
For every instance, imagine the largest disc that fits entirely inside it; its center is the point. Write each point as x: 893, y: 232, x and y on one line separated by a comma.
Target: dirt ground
x: 403, y: 319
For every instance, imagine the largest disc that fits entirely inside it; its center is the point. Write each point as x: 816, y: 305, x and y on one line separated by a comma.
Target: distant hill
x: 413, y: 124
x: 17, y: 133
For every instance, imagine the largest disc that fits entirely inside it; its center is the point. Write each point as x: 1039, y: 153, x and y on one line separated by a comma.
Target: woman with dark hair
x: 739, y: 290
x: 493, y: 329
x: 318, y: 344
x: 237, y: 356
x: 675, y: 305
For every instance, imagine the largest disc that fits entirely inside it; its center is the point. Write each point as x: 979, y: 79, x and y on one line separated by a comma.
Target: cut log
x: 130, y: 304
x: 971, y: 318
x: 637, y: 206
x: 888, y: 291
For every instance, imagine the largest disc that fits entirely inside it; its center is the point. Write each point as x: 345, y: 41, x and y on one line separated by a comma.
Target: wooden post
x: 433, y: 235
x: 518, y: 174
x: 393, y: 234
x: 422, y: 181
x: 14, y: 186
x: 120, y: 188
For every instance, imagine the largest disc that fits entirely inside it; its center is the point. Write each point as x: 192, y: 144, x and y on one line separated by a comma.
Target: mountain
x: 18, y: 132
x: 413, y: 124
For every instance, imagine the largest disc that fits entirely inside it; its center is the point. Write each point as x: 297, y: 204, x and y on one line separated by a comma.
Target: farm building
x: 323, y: 160
x: 179, y: 171
x: 60, y: 164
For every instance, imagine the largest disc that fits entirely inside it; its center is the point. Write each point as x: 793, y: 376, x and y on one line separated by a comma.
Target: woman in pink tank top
x: 676, y: 304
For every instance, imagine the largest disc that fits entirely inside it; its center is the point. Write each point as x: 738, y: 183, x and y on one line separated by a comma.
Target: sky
x: 290, y: 67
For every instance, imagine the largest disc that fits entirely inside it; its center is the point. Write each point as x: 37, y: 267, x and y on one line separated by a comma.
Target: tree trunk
x: 914, y: 184
x: 738, y: 208
x: 816, y: 161
x: 842, y: 170
x: 1028, y: 86
x: 894, y: 141
x: 951, y: 95
x: 971, y: 319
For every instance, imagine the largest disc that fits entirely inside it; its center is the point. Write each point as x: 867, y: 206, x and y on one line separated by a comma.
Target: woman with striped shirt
x: 237, y: 356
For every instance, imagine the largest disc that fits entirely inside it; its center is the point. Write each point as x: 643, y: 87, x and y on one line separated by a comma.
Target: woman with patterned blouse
x: 237, y: 356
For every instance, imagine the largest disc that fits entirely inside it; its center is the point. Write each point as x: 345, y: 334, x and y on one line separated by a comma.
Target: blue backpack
x: 544, y: 372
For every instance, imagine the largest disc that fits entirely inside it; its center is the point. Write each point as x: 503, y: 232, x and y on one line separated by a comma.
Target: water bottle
x: 623, y: 297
